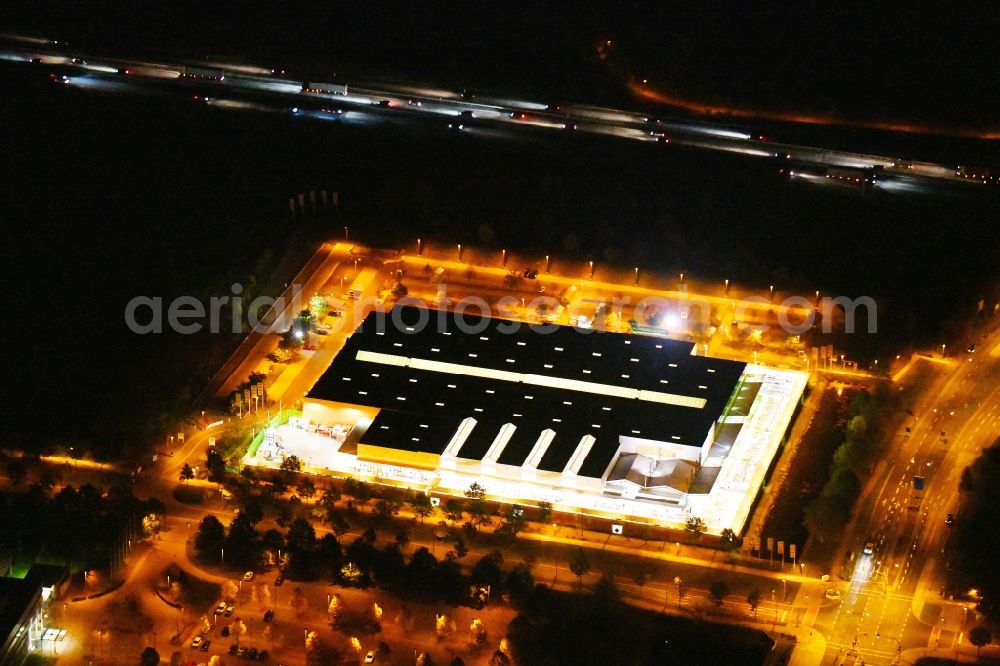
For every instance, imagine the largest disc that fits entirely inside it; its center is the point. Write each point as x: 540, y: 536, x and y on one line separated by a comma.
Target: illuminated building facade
x: 625, y: 426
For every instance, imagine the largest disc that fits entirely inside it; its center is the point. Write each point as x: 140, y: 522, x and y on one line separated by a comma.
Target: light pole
x: 345, y: 233
x: 727, y: 287
x: 772, y: 294
x: 503, y: 258
x: 678, y: 582
x: 420, y: 246
x: 460, y: 252
x: 591, y: 270
x: 637, y: 276
x: 548, y: 264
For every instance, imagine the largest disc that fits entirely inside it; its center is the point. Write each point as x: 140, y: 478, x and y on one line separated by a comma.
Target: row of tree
x: 84, y: 524
x: 831, y: 510
x: 360, y: 563
x: 973, y: 566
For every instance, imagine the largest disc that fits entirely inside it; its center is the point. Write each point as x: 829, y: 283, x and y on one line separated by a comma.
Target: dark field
x: 110, y: 196
x: 559, y: 628
x: 808, y: 471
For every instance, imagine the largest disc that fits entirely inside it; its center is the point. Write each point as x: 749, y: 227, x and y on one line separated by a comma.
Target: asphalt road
x: 892, y: 601
x: 256, y: 88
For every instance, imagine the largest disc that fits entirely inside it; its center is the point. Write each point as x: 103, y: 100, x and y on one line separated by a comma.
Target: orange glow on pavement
x: 647, y: 93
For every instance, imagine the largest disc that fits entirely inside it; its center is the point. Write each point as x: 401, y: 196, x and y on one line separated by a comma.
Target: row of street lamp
x: 548, y: 266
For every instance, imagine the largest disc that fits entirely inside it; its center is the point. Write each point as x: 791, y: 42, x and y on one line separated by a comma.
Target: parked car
x: 205, y: 645
x: 370, y: 657
x: 268, y: 615
x: 228, y: 611
x: 248, y: 576
x: 832, y: 593
x: 221, y: 608
x: 949, y: 519
x: 196, y: 642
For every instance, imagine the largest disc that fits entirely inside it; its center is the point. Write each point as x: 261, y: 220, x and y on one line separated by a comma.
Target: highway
x: 249, y: 88
x: 891, y: 601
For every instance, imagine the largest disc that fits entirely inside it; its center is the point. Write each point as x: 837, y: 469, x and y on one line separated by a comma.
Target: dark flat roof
x: 422, y: 407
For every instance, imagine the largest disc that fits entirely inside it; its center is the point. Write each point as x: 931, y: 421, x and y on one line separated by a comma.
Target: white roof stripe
x: 539, y: 449
x: 575, y: 461
x: 500, y: 442
x: 534, y: 380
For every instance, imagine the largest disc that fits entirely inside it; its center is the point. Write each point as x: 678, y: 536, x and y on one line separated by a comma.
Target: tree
x: 421, y: 505
x: 388, y: 566
x: 336, y: 609
x: 479, y: 513
x: 351, y: 486
x: 384, y: 511
x: 499, y: 658
x: 272, y: 540
x: 966, y: 483
x: 579, y: 563
x: 216, y: 465
x: 640, y: 577
x: 421, y: 572
x: 753, y: 599
x: 330, y: 554
x: 253, y: 507
x: 453, y: 509
x: 284, y: 517
x: 329, y: 497
x: 512, y: 524
x: 460, y: 549
x: 606, y: 591
x: 210, y: 537
x: 544, y: 512
x: 488, y: 571
x: 695, y: 526
x: 475, y: 492
x: 719, y: 590
x: 242, y: 542
x: 824, y: 516
x: 17, y: 470
x: 186, y: 473
x: 301, y: 540
x: 149, y: 657
x: 338, y: 523
x: 306, y: 489
x: 980, y: 636
x: 291, y: 464
x: 729, y: 540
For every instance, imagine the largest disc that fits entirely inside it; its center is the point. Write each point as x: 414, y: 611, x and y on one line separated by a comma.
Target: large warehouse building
x: 625, y: 426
